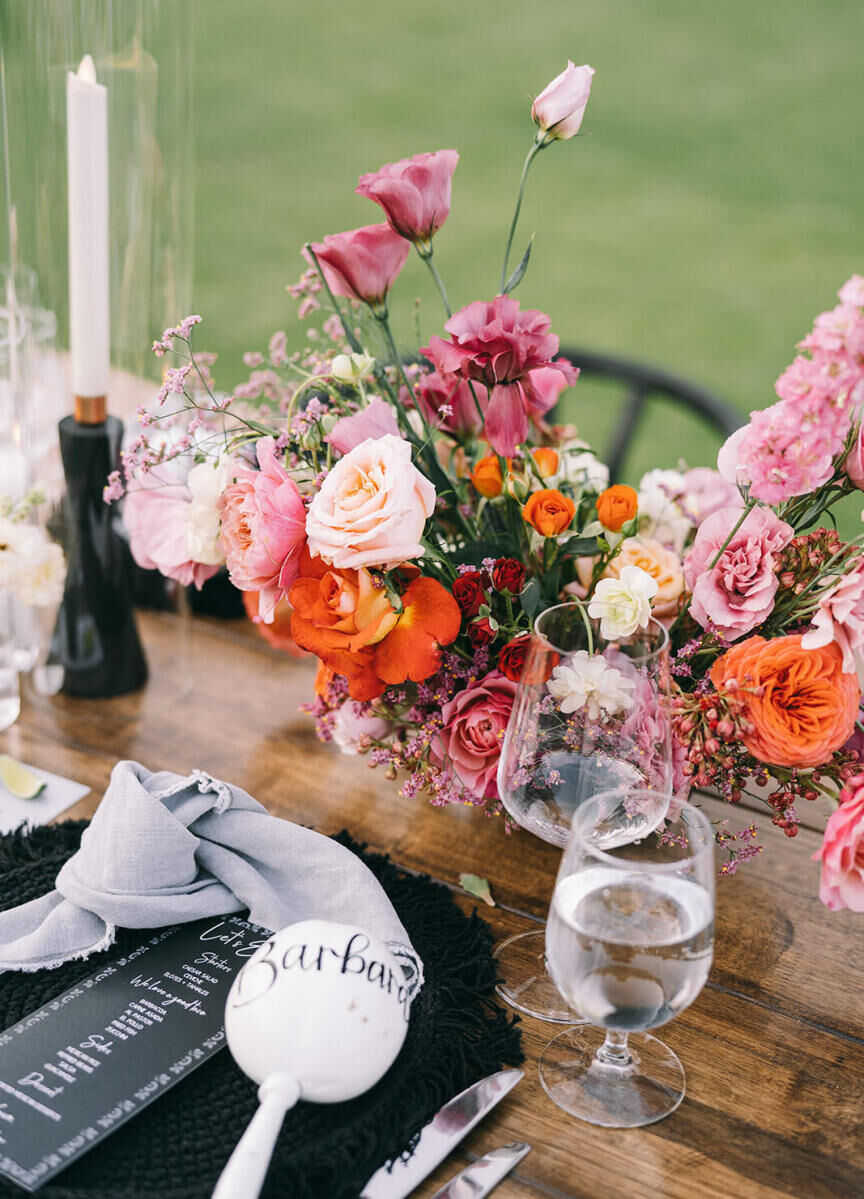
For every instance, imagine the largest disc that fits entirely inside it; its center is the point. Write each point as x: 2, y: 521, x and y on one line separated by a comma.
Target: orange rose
x: 546, y: 460
x: 549, y: 512
x: 486, y: 476
x: 800, y: 703
x: 661, y: 564
x: 616, y: 505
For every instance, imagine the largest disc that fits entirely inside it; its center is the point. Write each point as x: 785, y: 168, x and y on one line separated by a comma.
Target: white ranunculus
x: 660, y: 513
x: 623, y: 605
x: 349, y: 368
x: 589, y: 682
x: 32, y: 566
x: 206, y: 482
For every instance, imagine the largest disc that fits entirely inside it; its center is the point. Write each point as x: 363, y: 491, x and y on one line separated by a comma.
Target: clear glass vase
x: 10, y: 696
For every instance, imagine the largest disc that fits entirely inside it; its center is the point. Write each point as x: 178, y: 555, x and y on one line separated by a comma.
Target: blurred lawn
x: 713, y: 207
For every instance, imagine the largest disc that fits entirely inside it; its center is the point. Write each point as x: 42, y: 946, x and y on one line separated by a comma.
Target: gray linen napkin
x: 163, y: 849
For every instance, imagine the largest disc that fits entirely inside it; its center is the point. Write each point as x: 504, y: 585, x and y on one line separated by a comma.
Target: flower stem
x: 396, y: 358
x: 349, y: 332
x: 426, y: 255
x: 537, y: 145
x: 748, y: 507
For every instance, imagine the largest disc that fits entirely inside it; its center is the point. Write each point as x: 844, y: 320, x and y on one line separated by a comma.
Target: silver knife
x: 480, y: 1178
x: 444, y: 1132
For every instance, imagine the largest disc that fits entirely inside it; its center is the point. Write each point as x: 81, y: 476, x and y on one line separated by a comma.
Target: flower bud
x: 560, y: 107
x: 348, y: 368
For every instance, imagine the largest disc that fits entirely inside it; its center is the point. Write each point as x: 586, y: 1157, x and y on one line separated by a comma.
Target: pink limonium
x: 362, y: 264
x: 842, y: 851
x: 737, y: 594
x: 377, y: 419
x: 840, y: 617
x: 263, y: 529
x: 414, y: 193
x: 496, y: 344
x: 560, y: 107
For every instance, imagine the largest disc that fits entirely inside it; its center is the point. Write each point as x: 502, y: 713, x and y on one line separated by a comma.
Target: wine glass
x: 629, y: 944
x: 589, y: 715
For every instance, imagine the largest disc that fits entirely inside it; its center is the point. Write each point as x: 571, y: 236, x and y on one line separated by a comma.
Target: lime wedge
x: 19, y: 780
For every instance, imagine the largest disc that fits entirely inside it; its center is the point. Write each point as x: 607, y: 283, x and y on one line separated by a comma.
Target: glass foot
x: 525, y: 983
x: 645, y: 1086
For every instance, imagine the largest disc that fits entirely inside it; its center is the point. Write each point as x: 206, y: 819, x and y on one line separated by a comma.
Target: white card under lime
x: 58, y: 795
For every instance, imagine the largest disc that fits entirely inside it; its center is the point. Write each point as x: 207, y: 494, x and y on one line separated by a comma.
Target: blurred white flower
x: 32, y: 566
x: 589, y: 682
x: 206, y: 482
x: 580, y: 467
x: 661, y: 515
x: 348, y: 368
x: 623, y: 605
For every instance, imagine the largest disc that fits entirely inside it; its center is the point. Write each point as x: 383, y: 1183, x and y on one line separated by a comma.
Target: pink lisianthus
x: 362, y: 264
x: 545, y: 385
x: 474, y: 722
x: 377, y: 419
x: 842, y: 851
x: 499, y: 346
x: 560, y: 107
x: 414, y: 193
x: 263, y: 529
x: 840, y: 618
x: 738, y: 593
x: 157, y: 518
x: 436, y: 393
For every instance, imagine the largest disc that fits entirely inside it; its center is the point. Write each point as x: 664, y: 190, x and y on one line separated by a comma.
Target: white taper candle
x: 87, y: 148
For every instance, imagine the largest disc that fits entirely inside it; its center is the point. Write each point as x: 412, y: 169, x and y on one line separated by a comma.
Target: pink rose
x: 474, y: 725
x: 842, y: 851
x: 377, y: 419
x: 738, y: 593
x: 362, y: 264
x: 706, y: 491
x: 840, y: 617
x: 560, y: 107
x: 356, y: 723
x: 263, y: 529
x: 156, y: 514
x: 436, y: 393
x: 372, y: 508
x: 499, y: 346
x: 414, y: 193
x: 854, y: 464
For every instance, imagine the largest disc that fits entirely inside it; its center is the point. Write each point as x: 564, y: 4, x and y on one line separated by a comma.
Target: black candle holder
x: 96, y: 639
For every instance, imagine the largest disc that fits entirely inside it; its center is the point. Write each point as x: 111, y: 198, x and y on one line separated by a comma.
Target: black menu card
x: 86, y: 1062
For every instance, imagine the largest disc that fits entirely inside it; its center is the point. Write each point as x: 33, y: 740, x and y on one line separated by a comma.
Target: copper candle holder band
x: 91, y: 410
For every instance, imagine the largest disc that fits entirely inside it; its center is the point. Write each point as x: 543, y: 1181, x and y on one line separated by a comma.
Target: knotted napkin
x: 163, y: 849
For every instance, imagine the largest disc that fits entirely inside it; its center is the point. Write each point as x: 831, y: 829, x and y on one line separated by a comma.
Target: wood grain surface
x: 773, y: 1048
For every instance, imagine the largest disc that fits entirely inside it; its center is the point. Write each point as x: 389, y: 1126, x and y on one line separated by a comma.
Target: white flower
x: 206, y: 482
x: 582, y: 468
x: 348, y: 368
x: 591, y: 683
x: 623, y: 605
x: 660, y: 513
x: 31, y: 565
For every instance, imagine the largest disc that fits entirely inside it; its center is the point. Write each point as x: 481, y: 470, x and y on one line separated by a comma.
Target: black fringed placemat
x: 176, y: 1148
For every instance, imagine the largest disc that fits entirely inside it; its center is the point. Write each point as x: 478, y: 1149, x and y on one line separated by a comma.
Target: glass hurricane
x: 589, y: 714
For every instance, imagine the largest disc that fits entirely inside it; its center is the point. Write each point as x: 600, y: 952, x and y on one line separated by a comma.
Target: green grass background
x: 713, y: 206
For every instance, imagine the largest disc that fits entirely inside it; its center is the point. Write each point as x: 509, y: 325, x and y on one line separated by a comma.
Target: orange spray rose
x: 800, y: 703
x: 616, y: 505
x: 549, y: 512
x: 486, y: 476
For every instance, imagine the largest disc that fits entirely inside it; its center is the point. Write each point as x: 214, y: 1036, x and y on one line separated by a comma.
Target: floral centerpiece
x: 405, y: 517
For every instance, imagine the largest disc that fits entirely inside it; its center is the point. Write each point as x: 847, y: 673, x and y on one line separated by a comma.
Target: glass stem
x: 614, y: 1051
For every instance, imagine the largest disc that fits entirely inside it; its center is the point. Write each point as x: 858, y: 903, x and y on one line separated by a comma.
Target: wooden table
x: 772, y: 1048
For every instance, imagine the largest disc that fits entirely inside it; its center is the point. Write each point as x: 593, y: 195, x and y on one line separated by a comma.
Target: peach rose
x: 800, y: 703
x: 372, y: 508
x: 661, y: 564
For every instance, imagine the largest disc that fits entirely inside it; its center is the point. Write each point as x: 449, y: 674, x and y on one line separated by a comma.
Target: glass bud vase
x: 10, y: 696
